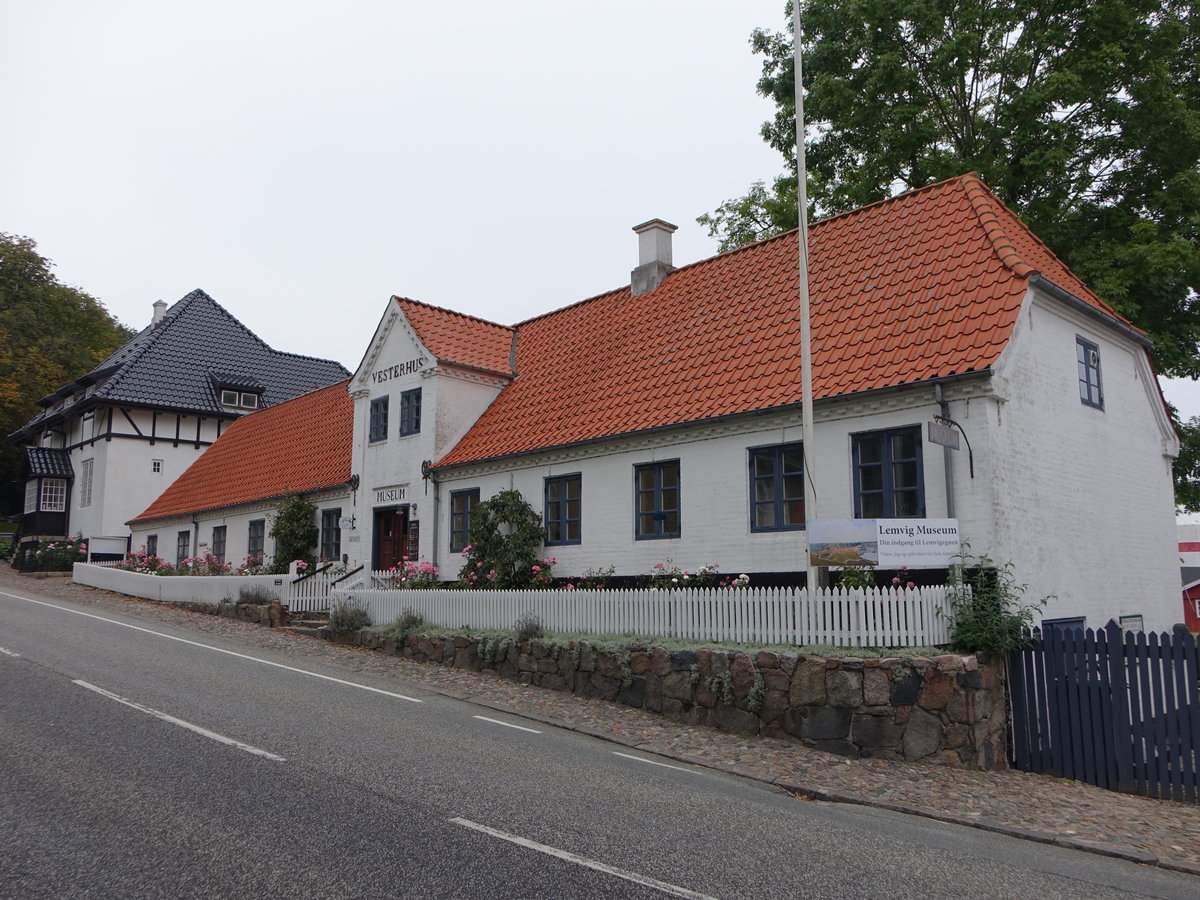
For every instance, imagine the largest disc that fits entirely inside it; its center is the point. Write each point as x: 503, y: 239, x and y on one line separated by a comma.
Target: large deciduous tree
x: 1083, y: 115
x: 50, y: 333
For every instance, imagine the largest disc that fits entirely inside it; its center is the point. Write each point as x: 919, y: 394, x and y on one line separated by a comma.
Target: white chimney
x: 654, y: 256
x: 160, y: 310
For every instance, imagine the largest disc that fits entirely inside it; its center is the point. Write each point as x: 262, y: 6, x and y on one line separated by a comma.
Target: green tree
x: 506, y: 535
x: 1083, y: 115
x: 1187, y: 466
x: 50, y: 334
x: 295, y: 532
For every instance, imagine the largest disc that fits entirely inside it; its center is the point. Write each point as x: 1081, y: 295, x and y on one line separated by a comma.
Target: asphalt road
x: 141, y: 761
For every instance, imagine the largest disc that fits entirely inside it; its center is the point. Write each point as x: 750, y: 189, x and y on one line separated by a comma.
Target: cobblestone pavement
x: 1035, y: 807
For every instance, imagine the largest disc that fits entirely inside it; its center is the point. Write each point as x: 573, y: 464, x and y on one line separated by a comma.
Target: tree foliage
x: 1083, y: 115
x: 506, y: 535
x: 295, y: 532
x: 1187, y: 467
x: 50, y: 334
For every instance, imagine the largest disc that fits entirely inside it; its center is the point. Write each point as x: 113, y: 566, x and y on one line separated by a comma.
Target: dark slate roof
x: 181, y: 362
x: 49, y: 462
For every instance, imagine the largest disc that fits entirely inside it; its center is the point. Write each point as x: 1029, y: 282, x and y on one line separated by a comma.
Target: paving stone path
x: 1035, y: 807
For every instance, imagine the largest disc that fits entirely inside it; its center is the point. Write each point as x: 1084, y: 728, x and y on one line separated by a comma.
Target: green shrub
x: 988, y: 612
x: 856, y: 577
x: 528, y: 628
x: 257, y: 595
x: 349, y: 615
x: 506, y: 535
x: 295, y: 532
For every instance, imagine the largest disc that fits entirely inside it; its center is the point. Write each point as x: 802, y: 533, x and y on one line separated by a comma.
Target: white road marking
x: 170, y: 637
x: 507, y: 724
x: 8, y: 652
x: 653, y: 762
x: 204, y: 732
x: 673, y: 890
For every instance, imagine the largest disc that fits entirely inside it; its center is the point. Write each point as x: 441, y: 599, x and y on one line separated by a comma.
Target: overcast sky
x: 303, y: 161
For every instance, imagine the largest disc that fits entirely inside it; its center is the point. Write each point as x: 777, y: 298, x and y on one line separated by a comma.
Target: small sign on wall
x: 884, y: 543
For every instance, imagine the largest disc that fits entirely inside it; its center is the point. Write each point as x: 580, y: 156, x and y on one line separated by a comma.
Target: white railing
x: 311, y: 593
x: 857, y: 618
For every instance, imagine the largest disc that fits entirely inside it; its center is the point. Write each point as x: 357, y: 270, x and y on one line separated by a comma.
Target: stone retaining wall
x: 947, y: 709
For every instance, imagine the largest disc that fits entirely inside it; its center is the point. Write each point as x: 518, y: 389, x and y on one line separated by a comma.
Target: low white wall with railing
x: 177, y: 588
x: 913, y: 617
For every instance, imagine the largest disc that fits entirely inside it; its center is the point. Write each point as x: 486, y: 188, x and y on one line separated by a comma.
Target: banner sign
x: 884, y: 543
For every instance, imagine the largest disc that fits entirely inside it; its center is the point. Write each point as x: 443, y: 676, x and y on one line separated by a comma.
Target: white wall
x: 715, y: 482
x: 390, y: 469
x: 124, y: 483
x: 237, y: 527
x: 171, y: 589
x: 1084, y: 503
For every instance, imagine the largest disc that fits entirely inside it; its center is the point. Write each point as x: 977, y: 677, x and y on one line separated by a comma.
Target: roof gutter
x: 938, y: 380
x: 1088, y: 310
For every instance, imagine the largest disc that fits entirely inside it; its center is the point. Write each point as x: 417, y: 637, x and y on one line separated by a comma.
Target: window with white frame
x: 85, y: 483
x: 239, y: 399
x: 31, y: 496
x: 54, y: 495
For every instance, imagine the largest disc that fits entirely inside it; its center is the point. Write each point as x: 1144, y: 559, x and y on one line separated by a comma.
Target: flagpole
x: 810, y: 493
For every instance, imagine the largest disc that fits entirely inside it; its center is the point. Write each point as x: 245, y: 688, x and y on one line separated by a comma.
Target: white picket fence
x: 857, y: 618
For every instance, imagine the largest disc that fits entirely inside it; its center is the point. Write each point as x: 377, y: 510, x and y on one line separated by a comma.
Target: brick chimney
x: 654, y: 256
x: 160, y: 310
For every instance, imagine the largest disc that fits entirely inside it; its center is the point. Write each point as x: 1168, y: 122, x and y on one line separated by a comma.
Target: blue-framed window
x: 218, y: 542
x: 331, y: 534
x: 889, y: 481
x: 410, y: 411
x: 183, y: 546
x: 256, y: 538
x: 462, y: 504
x: 656, y: 501
x: 777, y: 488
x: 564, y: 509
x: 152, y: 545
x: 1087, y: 355
x: 379, y: 419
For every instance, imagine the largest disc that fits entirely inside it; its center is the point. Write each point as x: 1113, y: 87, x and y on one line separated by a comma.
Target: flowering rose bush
x: 415, y: 575
x: 254, y: 564
x: 59, y: 556
x: 146, y: 564
x: 506, y: 535
x: 208, y: 564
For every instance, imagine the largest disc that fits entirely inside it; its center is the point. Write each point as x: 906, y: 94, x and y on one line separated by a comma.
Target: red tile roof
x: 926, y: 284
x: 457, y: 338
x: 298, y: 446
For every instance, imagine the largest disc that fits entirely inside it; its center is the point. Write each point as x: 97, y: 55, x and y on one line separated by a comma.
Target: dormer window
x: 239, y: 399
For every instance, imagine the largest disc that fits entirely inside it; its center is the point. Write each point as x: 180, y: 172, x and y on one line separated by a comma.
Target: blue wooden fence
x: 1112, y: 708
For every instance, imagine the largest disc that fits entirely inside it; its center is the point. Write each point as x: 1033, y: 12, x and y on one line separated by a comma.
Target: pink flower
x: 570, y: 587
x: 910, y: 585
x: 536, y: 568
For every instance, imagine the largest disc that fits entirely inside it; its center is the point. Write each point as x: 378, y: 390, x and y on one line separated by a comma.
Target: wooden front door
x: 391, y: 537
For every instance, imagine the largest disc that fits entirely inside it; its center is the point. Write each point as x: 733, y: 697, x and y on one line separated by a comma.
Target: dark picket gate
x: 1111, y: 708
